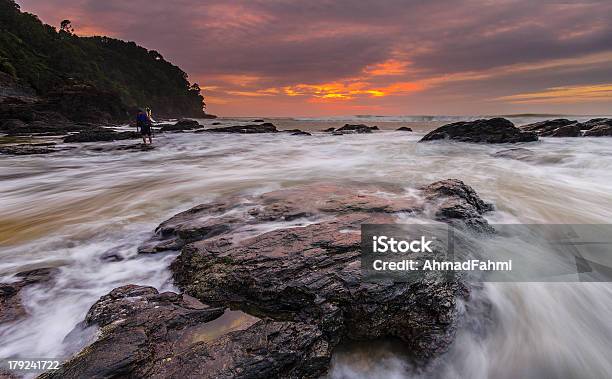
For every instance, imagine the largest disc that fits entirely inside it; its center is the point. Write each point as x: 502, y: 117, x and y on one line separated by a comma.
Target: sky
x: 378, y: 57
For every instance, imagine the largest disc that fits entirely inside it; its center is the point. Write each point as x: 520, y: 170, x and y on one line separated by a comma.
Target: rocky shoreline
x: 299, y: 282
x: 495, y: 130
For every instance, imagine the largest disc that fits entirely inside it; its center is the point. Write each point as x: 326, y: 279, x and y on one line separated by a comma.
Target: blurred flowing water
x: 73, y: 208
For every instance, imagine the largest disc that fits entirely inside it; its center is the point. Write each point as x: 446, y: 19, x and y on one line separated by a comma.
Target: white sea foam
x: 71, y: 208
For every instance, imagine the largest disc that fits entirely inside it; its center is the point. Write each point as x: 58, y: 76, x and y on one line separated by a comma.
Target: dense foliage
x: 46, y: 59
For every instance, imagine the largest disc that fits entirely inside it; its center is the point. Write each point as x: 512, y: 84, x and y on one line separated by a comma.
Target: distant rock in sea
x: 560, y: 127
x: 494, y: 130
x: 180, y: 126
x: 266, y: 127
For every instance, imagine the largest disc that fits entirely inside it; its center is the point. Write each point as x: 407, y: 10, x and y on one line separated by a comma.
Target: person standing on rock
x: 144, y: 124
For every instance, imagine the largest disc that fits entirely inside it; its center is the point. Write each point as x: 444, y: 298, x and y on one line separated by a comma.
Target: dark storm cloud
x: 277, y: 43
x: 320, y: 40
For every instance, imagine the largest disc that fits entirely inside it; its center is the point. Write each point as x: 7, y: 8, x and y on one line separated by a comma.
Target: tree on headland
x: 66, y: 26
x: 44, y: 58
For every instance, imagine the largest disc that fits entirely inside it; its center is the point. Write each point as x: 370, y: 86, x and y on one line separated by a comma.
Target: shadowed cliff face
x: 96, y: 79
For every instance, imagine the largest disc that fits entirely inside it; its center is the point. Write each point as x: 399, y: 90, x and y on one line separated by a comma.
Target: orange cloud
x: 350, y: 90
x: 568, y: 94
x: 389, y: 67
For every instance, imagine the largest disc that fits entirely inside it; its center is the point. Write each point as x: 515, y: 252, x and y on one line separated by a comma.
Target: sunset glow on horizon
x: 390, y: 57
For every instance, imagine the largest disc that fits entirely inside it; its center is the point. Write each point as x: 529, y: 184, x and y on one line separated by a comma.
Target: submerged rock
x: 181, y: 125
x: 27, y: 149
x: 148, y: 334
x: 329, y: 130
x: 554, y: 128
x: 519, y: 153
x: 266, y: 127
x: 404, y: 129
x: 101, y: 135
x: 11, y: 307
x: 494, y: 130
x: 355, y: 128
x: 296, y: 132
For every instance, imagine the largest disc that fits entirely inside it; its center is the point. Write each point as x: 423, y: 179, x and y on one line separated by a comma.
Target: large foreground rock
x: 312, y: 272
x: 146, y: 334
x: 494, y: 130
x: 291, y: 259
x: 554, y: 128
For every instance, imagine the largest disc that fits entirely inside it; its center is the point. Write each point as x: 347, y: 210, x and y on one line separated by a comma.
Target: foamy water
x: 73, y: 208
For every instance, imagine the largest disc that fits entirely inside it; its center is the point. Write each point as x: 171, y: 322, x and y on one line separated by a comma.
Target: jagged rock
x: 148, y: 334
x: 100, y: 135
x: 181, y: 125
x: 601, y: 129
x: 587, y: 125
x: 404, y: 129
x: 266, y: 127
x: 355, y: 128
x: 303, y: 284
x: 312, y: 273
x: 11, y: 308
x: 554, y: 128
x: 494, y: 130
x: 26, y: 149
x: 329, y: 130
x: 456, y: 201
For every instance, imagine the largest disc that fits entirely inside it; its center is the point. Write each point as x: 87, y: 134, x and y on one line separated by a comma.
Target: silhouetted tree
x: 66, y: 26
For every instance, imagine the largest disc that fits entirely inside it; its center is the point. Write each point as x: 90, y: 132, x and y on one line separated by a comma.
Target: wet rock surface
x: 404, y: 129
x: 494, y: 130
x: 100, y: 135
x: 518, y: 153
x: 291, y: 258
x: 554, y: 128
x: 159, y: 335
x: 594, y: 122
x: 11, y: 307
x: 180, y: 125
x: 354, y: 129
x: 266, y: 127
x: 28, y: 149
x: 602, y: 128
